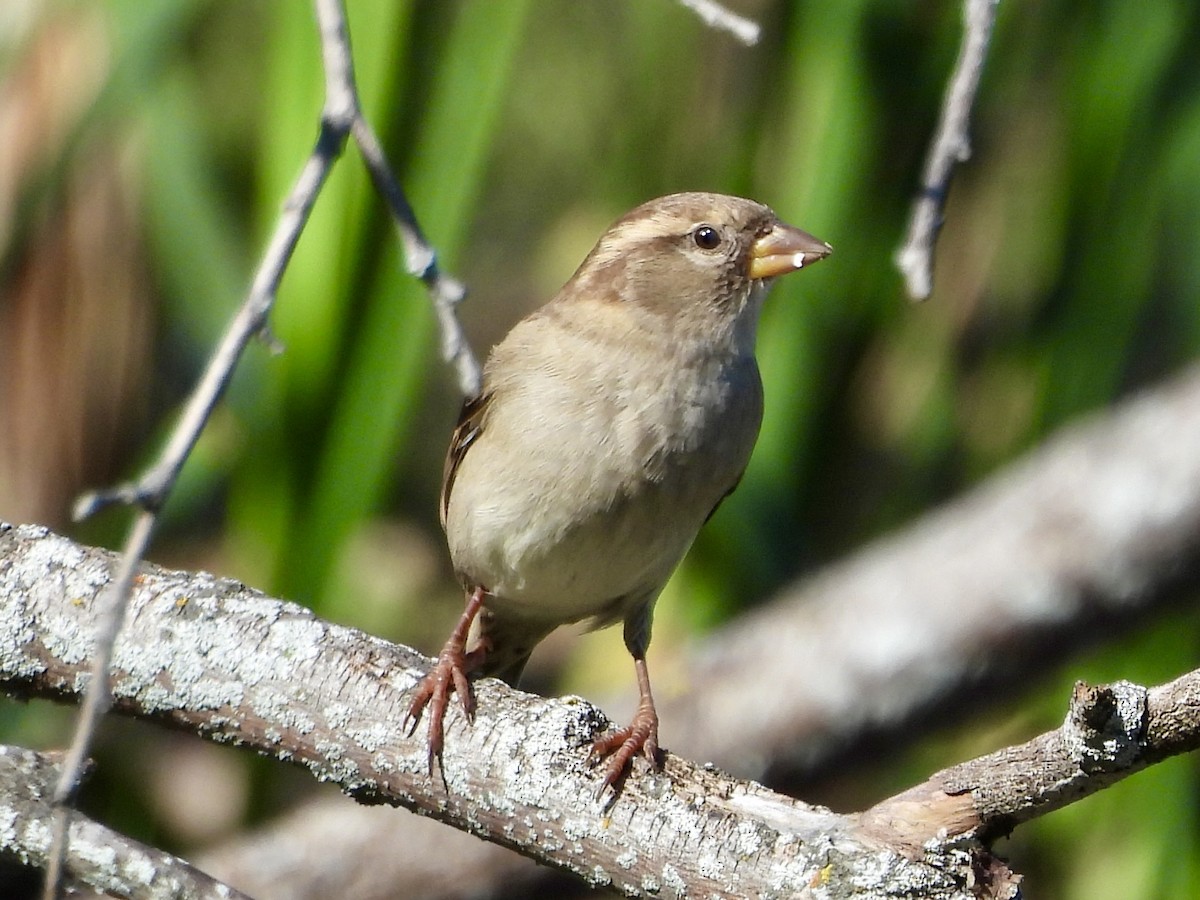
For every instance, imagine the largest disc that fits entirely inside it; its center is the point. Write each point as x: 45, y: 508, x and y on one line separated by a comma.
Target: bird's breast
x: 586, y: 488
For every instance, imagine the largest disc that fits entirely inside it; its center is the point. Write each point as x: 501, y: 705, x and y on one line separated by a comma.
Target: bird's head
x: 695, y: 258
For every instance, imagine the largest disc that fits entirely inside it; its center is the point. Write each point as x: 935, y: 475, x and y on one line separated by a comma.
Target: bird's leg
x: 640, y: 736
x: 449, y: 674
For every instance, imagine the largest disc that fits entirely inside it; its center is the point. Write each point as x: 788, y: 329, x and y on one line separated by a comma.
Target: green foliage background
x: 1068, y: 274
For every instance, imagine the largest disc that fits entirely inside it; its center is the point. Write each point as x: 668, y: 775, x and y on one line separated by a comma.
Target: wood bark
x: 99, y: 860
x: 224, y: 661
x: 214, y: 657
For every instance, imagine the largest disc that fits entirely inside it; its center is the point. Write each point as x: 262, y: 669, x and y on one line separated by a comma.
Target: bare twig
x: 951, y: 145
x: 419, y: 255
x: 717, y: 16
x: 101, y: 859
x: 96, y: 699
x: 421, y: 261
x: 340, y: 115
x: 1110, y: 733
x: 151, y: 489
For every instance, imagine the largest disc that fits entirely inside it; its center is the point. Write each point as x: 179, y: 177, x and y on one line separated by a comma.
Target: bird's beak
x: 785, y: 249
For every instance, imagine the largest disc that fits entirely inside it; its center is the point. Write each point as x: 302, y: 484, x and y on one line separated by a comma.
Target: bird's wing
x: 470, y: 426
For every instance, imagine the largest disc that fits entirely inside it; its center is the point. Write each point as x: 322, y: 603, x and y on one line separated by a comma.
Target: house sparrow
x: 611, y: 424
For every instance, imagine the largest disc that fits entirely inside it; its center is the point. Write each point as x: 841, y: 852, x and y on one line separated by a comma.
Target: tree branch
x: 99, y: 858
x: 951, y: 145
x: 1111, y: 732
x: 151, y: 489
x: 210, y: 656
x: 421, y: 262
x: 340, y: 114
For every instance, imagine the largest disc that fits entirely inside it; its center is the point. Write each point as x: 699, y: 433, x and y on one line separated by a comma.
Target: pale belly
x: 562, y: 566
x: 592, y: 520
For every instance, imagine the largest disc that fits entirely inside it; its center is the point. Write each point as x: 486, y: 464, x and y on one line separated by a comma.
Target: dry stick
x: 152, y: 488
x: 340, y: 114
x: 951, y: 145
x: 96, y: 699
x: 104, y: 860
x: 717, y: 16
x: 420, y: 259
x: 1111, y: 732
x: 421, y: 262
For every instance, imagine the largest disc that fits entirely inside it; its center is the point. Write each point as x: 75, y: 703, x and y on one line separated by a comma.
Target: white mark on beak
x: 798, y: 260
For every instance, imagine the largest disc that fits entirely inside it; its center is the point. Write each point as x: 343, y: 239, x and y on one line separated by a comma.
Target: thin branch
x: 951, y: 145
x: 717, y: 16
x: 96, y: 700
x: 100, y: 858
x: 151, y: 489
x: 421, y: 262
x: 340, y: 114
x: 420, y: 258
x: 1111, y: 732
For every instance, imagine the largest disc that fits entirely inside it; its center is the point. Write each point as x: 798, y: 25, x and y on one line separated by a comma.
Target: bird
x: 610, y: 425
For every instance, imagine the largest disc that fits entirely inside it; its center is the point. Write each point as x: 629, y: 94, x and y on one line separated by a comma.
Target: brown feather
x: 470, y: 426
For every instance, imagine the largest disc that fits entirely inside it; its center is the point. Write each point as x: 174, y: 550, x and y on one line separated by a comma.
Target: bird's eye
x: 706, y: 237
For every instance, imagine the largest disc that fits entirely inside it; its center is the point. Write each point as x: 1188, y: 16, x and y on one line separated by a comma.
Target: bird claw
x: 448, y: 675
x: 621, y: 747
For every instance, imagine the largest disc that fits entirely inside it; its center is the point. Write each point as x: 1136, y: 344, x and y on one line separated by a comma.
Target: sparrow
x: 610, y: 425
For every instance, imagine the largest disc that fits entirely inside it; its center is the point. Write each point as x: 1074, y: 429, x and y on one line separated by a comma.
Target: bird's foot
x: 622, y: 746
x: 448, y: 675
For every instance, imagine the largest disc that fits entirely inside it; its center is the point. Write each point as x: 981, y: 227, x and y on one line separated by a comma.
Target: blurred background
x: 146, y: 147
